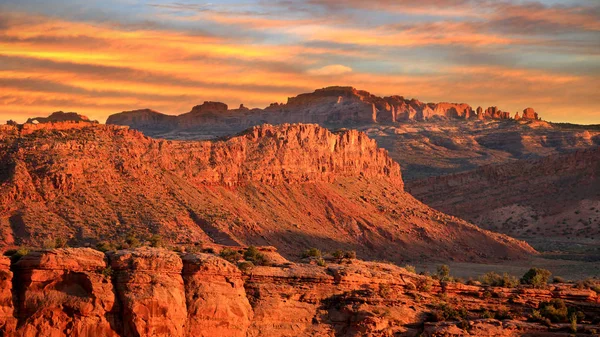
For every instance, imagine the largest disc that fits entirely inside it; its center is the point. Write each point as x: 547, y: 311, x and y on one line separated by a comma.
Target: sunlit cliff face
x: 101, y: 57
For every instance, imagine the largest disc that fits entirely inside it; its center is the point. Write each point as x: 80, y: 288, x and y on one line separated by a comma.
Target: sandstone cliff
x: 156, y: 292
x: 332, y: 106
x: 290, y: 186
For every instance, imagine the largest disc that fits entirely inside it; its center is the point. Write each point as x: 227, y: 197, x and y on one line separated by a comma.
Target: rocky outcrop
x: 530, y: 114
x: 150, y: 287
x: 8, y: 321
x: 208, y: 296
x: 60, y: 116
x: 289, y: 186
x: 64, y: 292
x: 329, y: 107
x: 215, y: 297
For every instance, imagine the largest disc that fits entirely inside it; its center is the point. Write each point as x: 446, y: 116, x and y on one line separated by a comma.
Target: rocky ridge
x: 290, y: 186
x: 156, y: 292
x: 60, y: 116
x: 331, y: 106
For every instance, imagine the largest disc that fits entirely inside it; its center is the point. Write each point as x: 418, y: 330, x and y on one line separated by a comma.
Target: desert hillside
x: 555, y: 197
x: 290, y: 186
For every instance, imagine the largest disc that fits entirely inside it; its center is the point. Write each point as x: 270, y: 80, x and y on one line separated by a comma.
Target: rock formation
x: 70, y: 292
x: 60, y: 116
x: 289, y: 186
x: 530, y: 114
x: 329, y: 107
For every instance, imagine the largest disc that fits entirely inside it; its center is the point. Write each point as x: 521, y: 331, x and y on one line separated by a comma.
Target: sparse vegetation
x: 409, y: 268
x: 107, y: 272
x: 245, y: 265
x: 55, y: 243
x: 312, y: 252
x: 447, y: 312
x: 252, y: 254
x: 156, y: 241
x: 105, y: 246
x: 537, y: 277
x: 16, y: 254
x: 494, y: 279
x: 443, y: 273
x: 230, y: 255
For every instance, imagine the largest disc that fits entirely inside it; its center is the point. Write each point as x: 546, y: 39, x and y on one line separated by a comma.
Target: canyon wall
x: 289, y: 186
x: 156, y: 292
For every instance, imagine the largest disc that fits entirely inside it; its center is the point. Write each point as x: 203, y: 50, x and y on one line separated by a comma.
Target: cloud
x: 330, y: 70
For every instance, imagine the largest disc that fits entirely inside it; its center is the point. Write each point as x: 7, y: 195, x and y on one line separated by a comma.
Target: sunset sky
x: 99, y: 57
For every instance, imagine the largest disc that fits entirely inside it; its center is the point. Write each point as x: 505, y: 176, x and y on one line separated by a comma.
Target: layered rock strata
x: 163, y: 293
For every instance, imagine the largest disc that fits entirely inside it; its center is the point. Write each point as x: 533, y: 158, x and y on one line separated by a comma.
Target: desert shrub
x: 338, y: 254
x: 487, y: 314
x: 494, y: 279
x: 350, y: 254
x: 443, y: 272
x: 446, y: 312
x: 321, y: 262
x: 245, y: 265
x: 208, y: 250
x: 55, y: 243
x: 105, y: 246
x: 503, y: 314
x: 537, y: 277
x: 230, y: 255
x: 409, y: 268
x: 423, y: 284
x: 252, y: 254
x: 556, y: 311
x: 385, y: 290
x: 16, y: 254
x: 107, y: 272
x: 312, y: 252
x: 156, y: 241
x: 558, y: 279
x: 132, y: 241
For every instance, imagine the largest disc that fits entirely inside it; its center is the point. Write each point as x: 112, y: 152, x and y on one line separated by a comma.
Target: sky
x: 99, y: 57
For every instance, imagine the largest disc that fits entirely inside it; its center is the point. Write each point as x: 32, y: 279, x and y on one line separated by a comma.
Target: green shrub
x: 312, y: 252
x: 105, y: 246
x: 536, y: 277
x: 446, y: 312
x: 494, y: 279
x: 487, y: 314
x: 321, y: 262
x: 252, y: 254
x: 424, y: 284
x: 245, y: 265
x: 107, y: 272
x: 338, y: 254
x: 230, y: 255
x: 350, y: 254
x: 443, y: 272
x: 132, y: 241
x: 156, y: 241
x: 55, y: 243
x: 16, y: 255
x: 410, y: 269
